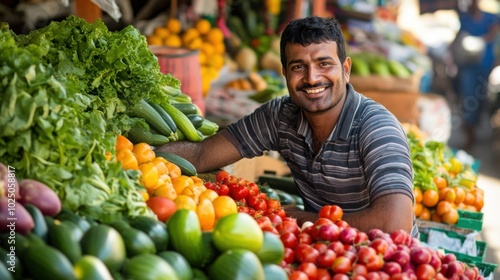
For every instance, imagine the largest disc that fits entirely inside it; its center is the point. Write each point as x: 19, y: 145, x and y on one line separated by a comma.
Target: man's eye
x: 297, y: 67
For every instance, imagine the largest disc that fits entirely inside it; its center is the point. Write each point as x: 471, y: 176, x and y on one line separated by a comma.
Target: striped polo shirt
x: 365, y: 157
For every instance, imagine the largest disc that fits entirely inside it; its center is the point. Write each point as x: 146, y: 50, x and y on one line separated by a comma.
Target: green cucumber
x: 149, y: 267
x: 183, y: 123
x: 40, y: 228
x: 46, y: 262
x: 165, y: 116
x: 180, y: 98
x: 136, y: 241
x: 139, y: 134
x: 91, y: 267
x: 155, y: 229
x: 196, y: 120
x: 187, y: 168
x: 105, y: 243
x: 186, y: 108
x: 208, y: 127
x: 65, y: 237
x: 186, y: 236
x: 151, y: 116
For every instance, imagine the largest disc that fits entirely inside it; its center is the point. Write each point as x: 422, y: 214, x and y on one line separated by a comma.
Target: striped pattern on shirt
x: 365, y: 157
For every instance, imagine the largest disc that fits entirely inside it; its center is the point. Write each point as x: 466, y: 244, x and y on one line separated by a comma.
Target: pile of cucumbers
x: 176, y: 120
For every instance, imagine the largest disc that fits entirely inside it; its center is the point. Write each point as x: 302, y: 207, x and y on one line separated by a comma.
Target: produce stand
x: 84, y: 109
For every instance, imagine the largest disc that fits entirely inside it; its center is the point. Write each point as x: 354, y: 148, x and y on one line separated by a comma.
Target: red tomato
x: 271, y: 229
x: 288, y: 226
x: 425, y: 272
x: 289, y: 240
x: 325, y: 259
x: 341, y: 265
x: 222, y: 176
x: 162, y: 207
x: 305, y: 238
x: 238, y: 192
x: 309, y: 268
x: 298, y: 275
x: 223, y: 189
x: 342, y: 224
x: 273, y: 204
x: 321, y: 247
x: 359, y: 269
x: 376, y: 264
x: 260, y: 205
x: 323, y: 274
x: 275, y: 218
x: 253, y: 188
x: 280, y: 212
x: 366, y: 255
x: 340, y: 276
x: 322, y: 221
x: 289, y: 257
x: 332, y: 212
x: 305, y: 253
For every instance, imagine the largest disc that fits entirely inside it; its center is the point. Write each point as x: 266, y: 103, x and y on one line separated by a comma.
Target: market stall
x: 85, y: 193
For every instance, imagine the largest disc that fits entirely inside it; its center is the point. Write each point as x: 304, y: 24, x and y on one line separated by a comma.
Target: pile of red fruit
x: 330, y: 249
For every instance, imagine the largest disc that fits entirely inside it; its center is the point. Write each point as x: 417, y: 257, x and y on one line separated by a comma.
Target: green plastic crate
x: 470, y: 220
x: 485, y: 269
x: 480, y: 246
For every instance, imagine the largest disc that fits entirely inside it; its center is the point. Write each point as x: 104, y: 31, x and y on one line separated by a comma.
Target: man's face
x: 316, y: 78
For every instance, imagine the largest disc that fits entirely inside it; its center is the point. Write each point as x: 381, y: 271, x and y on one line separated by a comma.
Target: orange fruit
x: 440, y: 182
x: 206, y: 214
x: 161, y: 32
x: 194, y: 44
x: 224, y: 205
x: 435, y: 217
x: 174, y: 25
x: 450, y: 217
x: 479, y: 202
x: 173, y: 40
x: 203, y: 26
x: 430, y: 198
x: 154, y: 40
x: 219, y: 48
x: 190, y: 34
x: 417, y: 209
x: 469, y: 198
x: 442, y: 207
x: 459, y: 195
x: 417, y: 193
x: 425, y: 214
x: 215, y: 36
x: 448, y: 194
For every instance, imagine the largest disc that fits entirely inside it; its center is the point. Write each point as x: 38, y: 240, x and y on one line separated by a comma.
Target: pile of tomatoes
x: 329, y: 248
x: 247, y: 195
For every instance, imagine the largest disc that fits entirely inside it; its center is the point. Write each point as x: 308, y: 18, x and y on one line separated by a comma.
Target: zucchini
x: 136, y: 241
x: 151, y: 116
x: 46, y: 262
x: 105, y: 243
x: 40, y: 228
x: 187, y: 168
x: 139, y: 134
x: 208, y: 127
x: 155, y: 229
x: 165, y: 116
x: 180, y: 98
x: 65, y: 237
x: 186, y: 108
x: 196, y: 120
x: 183, y: 123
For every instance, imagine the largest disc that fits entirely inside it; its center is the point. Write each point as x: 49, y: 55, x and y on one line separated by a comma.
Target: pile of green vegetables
x: 64, y: 91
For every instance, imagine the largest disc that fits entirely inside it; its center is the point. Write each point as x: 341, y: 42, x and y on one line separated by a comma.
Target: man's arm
x: 388, y: 213
x: 212, y: 153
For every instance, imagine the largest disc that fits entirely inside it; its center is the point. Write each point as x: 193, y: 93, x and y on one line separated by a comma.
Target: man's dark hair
x: 312, y: 30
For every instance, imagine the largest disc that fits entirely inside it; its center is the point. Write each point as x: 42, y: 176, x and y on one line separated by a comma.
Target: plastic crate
x: 470, y: 220
x: 485, y: 269
x: 480, y: 246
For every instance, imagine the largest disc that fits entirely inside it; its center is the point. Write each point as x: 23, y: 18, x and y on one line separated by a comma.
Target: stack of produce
x: 202, y: 36
x: 68, y: 90
x: 442, y: 183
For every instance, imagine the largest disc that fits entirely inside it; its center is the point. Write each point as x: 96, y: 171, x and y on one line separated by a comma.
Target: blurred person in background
x: 473, y: 51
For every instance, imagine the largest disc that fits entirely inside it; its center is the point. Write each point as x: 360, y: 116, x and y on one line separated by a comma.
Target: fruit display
x: 200, y: 35
x: 443, y: 185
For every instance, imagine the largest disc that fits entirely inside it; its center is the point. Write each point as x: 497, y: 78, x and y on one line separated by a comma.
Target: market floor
x: 489, y: 180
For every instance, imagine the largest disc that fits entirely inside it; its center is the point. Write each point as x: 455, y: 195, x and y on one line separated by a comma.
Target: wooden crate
x: 404, y: 105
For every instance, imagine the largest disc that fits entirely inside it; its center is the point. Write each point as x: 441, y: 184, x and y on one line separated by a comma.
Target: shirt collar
x: 346, y: 119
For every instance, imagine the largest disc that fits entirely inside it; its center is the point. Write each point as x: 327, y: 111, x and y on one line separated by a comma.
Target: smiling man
x: 341, y: 147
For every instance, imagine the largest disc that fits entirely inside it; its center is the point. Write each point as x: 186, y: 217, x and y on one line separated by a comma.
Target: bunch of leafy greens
x: 64, y: 91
